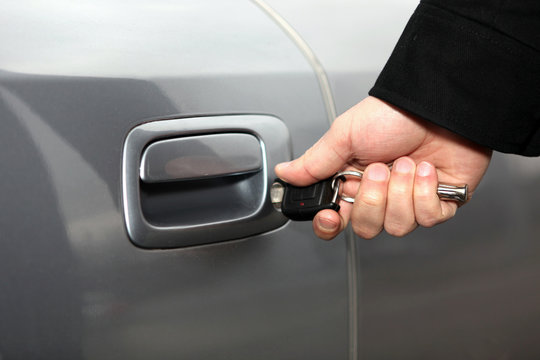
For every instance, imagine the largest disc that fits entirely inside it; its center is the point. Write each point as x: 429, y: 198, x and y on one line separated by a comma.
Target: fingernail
x: 377, y: 173
x: 327, y: 224
x: 424, y: 169
x: 281, y: 168
x: 403, y: 166
x: 283, y: 165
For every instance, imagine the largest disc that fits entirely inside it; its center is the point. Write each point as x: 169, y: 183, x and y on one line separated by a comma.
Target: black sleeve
x: 473, y: 67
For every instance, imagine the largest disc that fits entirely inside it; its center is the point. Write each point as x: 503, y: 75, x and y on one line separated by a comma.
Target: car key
x: 303, y: 203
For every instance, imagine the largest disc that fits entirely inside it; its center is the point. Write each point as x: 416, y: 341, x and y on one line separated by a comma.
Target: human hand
x: 369, y: 135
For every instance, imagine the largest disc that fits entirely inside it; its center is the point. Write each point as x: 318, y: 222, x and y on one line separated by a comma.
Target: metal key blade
x: 277, y: 190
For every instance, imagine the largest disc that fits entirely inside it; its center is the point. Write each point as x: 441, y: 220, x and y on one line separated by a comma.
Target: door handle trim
x: 274, y: 140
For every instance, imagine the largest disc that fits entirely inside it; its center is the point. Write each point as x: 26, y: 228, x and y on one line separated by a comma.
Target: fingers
x: 428, y: 208
x: 369, y: 209
x: 327, y: 224
x: 400, y: 216
x: 323, y: 159
x: 396, y: 201
x: 368, y: 213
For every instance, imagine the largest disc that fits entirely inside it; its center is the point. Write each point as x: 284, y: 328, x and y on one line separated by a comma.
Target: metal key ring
x: 341, y: 176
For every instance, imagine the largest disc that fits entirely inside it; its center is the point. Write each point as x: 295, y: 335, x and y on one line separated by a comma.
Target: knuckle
x: 401, y: 188
x: 366, y: 232
x: 401, y: 226
x: 422, y: 194
x: 397, y: 230
x: 371, y: 199
x: 428, y: 221
x: 399, y: 192
x: 431, y: 218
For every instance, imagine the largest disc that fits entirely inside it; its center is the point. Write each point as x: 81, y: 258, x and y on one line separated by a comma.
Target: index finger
x: 326, y: 157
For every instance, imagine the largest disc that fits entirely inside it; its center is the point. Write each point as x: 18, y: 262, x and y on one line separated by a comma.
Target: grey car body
x: 77, y: 78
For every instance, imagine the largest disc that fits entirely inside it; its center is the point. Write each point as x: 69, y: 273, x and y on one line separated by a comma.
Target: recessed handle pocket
x: 199, y: 157
x: 201, y: 180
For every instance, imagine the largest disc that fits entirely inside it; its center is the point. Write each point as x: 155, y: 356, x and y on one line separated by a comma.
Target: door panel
x: 466, y: 289
x: 75, y: 285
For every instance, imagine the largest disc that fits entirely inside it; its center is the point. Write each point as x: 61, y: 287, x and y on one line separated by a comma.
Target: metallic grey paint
x: 73, y: 85
x: 76, y: 77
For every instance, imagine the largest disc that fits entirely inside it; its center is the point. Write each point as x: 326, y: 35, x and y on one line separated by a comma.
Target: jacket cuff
x: 468, y: 78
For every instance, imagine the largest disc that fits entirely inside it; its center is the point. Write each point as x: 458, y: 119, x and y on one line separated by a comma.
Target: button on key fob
x: 303, y: 203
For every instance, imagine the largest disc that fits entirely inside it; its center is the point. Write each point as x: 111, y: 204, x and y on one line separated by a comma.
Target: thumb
x: 326, y: 157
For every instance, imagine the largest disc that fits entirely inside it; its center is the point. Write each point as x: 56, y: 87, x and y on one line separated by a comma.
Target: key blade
x: 277, y: 190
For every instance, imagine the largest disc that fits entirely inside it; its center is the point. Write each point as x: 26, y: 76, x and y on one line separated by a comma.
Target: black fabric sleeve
x: 473, y: 68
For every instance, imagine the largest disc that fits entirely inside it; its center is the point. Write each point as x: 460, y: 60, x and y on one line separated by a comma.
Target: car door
x: 466, y: 289
x: 231, y: 278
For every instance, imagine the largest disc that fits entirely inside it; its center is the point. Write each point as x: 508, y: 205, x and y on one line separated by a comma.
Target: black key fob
x: 303, y: 203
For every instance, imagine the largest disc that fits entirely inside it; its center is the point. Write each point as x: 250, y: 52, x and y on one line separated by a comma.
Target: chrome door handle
x: 198, y: 157
x: 200, y: 180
